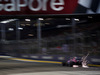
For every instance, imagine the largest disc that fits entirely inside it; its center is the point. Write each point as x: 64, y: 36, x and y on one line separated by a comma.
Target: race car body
x: 73, y: 61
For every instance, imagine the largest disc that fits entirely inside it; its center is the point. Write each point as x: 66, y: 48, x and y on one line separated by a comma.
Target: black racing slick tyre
x: 71, y: 64
x: 63, y: 64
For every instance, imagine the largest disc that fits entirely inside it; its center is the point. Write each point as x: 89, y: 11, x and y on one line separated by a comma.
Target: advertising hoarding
x: 32, y: 7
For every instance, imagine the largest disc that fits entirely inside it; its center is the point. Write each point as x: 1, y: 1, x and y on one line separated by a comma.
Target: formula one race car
x: 72, y: 61
x: 77, y: 61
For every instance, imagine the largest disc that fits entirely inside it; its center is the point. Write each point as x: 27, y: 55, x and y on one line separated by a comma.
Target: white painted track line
x: 62, y: 73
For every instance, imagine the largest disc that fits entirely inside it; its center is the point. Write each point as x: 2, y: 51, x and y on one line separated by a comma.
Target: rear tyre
x: 63, y: 64
x: 71, y: 64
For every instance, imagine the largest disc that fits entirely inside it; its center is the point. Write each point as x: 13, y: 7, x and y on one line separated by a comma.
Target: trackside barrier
x: 93, y: 61
x: 59, y: 58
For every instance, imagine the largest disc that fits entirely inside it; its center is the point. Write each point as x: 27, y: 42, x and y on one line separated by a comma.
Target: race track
x: 11, y: 67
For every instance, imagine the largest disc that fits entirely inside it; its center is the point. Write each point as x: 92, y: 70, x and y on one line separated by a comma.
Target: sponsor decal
x: 95, y: 60
x: 24, y: 55
x: 61, y: 58
x: 35, y: 57
x: 47, y: 57
x: 18, y: 7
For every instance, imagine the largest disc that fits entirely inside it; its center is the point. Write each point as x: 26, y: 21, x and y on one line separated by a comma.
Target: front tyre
x: 71, y: 64
x: 63, y: 64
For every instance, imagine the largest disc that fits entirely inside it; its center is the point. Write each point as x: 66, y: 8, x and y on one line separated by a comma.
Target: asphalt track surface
x: 11, y: 67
